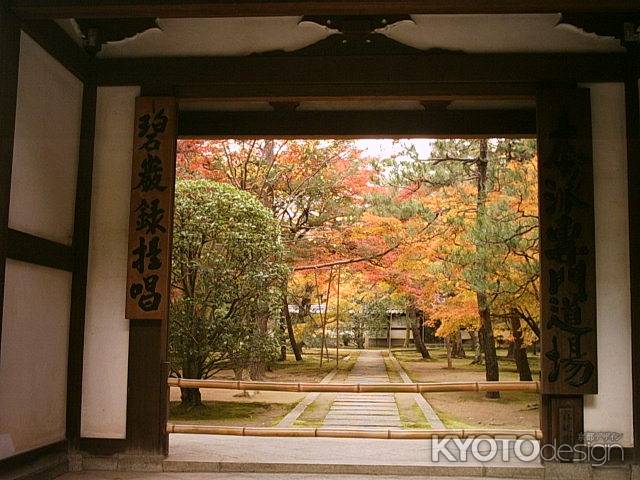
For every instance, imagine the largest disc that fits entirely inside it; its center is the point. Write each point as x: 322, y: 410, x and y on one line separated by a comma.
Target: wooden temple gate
x: 561, y: 121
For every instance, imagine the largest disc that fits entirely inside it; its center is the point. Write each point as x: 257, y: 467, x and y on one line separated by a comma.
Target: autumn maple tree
x: 450, y: 240
x: 310, y: 186
x: 487, y: 269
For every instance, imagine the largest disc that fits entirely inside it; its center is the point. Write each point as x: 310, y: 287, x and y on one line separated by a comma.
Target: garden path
x: 359, y: 410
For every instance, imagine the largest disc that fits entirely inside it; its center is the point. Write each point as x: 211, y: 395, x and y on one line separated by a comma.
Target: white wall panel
x: 45, y: 152
x: 106, y: 349
x: 611, y: 409
x: 33, y: 362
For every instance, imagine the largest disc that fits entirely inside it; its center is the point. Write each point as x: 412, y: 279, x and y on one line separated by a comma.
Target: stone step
x: 368, y: 420
x: 363, y: 422
x: 373, y: 399
x: 361, y: 415
x: 367, y: 409
x: 365, y: 397
x: 358, y: 408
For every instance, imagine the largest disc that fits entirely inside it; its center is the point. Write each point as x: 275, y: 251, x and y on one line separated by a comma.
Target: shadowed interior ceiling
x: 243, y: 36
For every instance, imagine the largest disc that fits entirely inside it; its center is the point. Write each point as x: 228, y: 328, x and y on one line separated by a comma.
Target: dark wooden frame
x: 418, y: 91
x: 80, y: 249
x: 14, y: 244
x: 632, y: 103
x: 9, y: 60
x: 254, y: 8
x: 30, y: 248
x: 52, y: 38
x: 287, y: 124
x: 330, y: 70
x: 323, y: 124
x: 25, y: 247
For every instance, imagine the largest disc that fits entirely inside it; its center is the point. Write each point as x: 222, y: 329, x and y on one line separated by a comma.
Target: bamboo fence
x: 533, y: 387
x: 388, y: 434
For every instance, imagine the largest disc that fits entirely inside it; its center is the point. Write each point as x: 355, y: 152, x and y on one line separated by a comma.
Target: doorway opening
x: 355, y: 262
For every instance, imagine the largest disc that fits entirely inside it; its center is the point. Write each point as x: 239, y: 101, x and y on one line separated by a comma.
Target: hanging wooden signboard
x: 569, y: 360
x: 152, y: 184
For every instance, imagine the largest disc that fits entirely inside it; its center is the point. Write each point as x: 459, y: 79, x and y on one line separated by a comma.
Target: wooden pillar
x: 568, y: 355
x: 9, y: 60
x: 633, y: 172
x: 147, y: 398
x: 81, y: 231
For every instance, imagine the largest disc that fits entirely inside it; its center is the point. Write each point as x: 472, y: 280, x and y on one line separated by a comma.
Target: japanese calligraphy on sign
x: 568, y: 297
x: 152, y: 182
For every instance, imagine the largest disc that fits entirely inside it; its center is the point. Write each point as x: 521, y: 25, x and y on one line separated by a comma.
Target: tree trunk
x: 478, y: 358
x: 520, y: 351
x: 407, y: 336
x: 191, y: 397
x: 492, y: 371
x: 511, y: 351
x: 283, y: 347
x: 257, y: 364
x: 417, y: 340
x: 458, y: 349
x: 292, y: 338
x: 240, y: 375
x: 256, y: 371
x: 447, y: 342
x: 359, y: 338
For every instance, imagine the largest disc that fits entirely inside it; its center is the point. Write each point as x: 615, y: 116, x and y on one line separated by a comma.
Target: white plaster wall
x: 33, y: 362
x: 611, y: 409
x: 106, y: 347
x: 45, y: 152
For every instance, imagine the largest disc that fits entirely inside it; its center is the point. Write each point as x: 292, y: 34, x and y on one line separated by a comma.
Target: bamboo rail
x: 388, y: 434
x: 533, y: 387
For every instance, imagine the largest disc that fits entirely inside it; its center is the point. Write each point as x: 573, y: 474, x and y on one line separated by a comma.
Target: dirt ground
x: 250, y: 414
x: 470, y: 409
x: 309, y: 370
x: 231, y: 407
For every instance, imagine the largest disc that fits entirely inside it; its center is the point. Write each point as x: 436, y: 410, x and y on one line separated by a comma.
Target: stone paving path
x: 360, y: 410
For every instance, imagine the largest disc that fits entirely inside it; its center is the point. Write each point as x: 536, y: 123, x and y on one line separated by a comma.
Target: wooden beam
x: 81, y: 231
x: 9, y: 60
x: 319, y: 124
x: 146, y: 386
x: 39, y: 251
x: 229, y: 8
x: 52, y: 38
x: 102, y: 446
x: 363, y: 70
x: 632, y: 100
x: 417, y: 91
